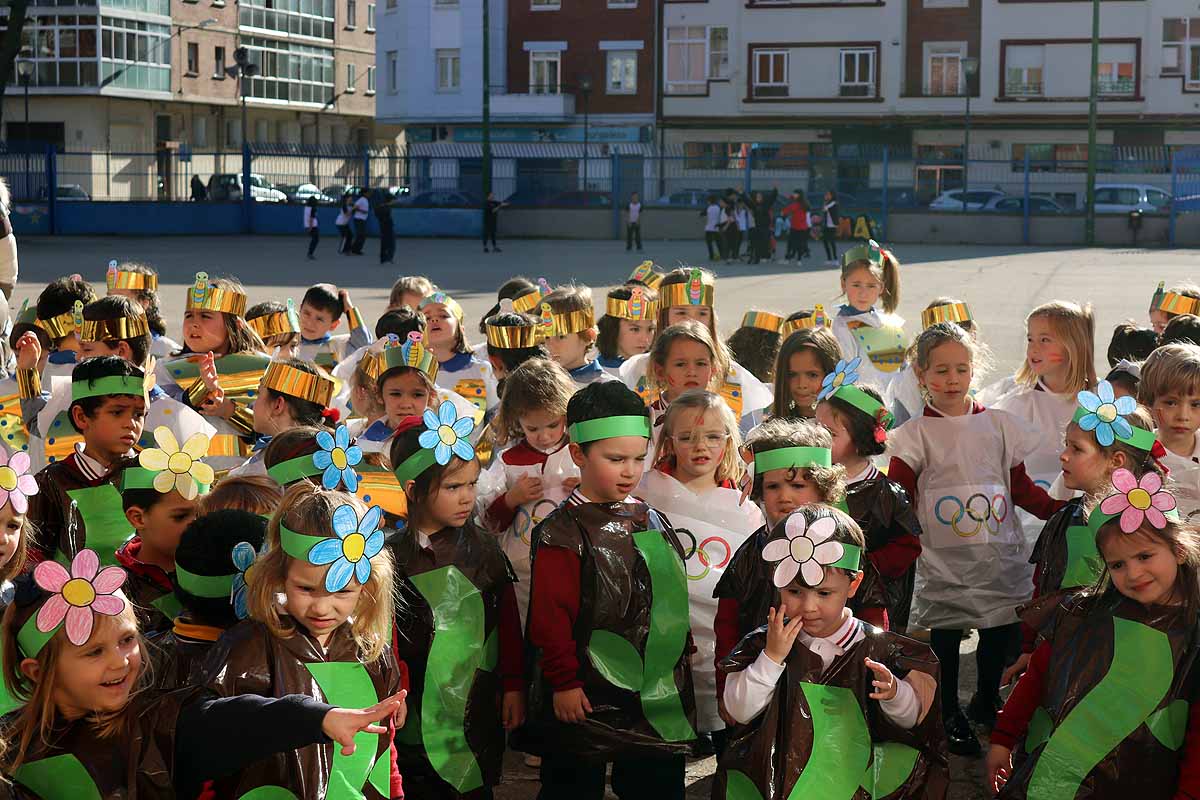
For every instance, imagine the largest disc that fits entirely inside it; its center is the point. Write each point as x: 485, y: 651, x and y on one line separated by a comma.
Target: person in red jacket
x: 796, y: 213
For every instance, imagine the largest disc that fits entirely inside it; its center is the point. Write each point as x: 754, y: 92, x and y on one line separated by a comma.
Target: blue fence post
x: 883, y: 213
x: 52, y: 184
x: 749, y: 171
x: 1174, y: 199
x: 1025, y: 213
x: 247, y: 190
x: 615, y: 182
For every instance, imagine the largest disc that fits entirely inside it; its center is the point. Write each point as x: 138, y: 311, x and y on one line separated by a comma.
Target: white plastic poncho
x: 974, y: 566
x: 711, y: 527
x: 879, y: 341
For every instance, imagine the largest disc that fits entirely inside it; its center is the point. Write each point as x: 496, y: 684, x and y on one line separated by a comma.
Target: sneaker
x: 983, y: 713
x: 533, y: 761
x: 960, y: 738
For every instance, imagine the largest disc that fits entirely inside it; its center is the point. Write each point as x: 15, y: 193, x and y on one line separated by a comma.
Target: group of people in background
x: 765, y: 222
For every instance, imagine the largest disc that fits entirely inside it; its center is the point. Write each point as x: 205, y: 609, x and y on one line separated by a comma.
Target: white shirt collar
x: 92, y: 469
x: 868, y: 472
x: 835, y: 644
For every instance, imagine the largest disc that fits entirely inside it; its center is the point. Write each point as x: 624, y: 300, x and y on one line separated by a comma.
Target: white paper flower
x: 806, y: 550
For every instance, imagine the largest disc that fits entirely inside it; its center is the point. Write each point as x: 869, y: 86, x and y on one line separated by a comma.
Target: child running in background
x: 695, y: 482
x: 808, y: 353
x: 962, y: 465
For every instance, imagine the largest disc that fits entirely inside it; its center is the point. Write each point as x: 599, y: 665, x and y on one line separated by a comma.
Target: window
x: 314, y: 18
x: 233, y: 132
x: 1023, y: 71
x: 219, y: 63
x: 622, y: 72
x: 371, y: 80
x: 770, y: 73
x: 351, y: 13
x: 696, y: 55
x: 943, y: 68
x: 193, y: 58
x: 262, y: 131
x: 370, y: 17
x: 448, y: 65
x: 544, y: 72
x: 545, y: 5
x: 1115, y: 70
x: 290, y: 71
x: 857, y: 73
x: 622, y: 3
x: 350, y: 78
x: 134, y: 55
x: 200, y: 131
x: 1181, y: 52
x: 391, y: 71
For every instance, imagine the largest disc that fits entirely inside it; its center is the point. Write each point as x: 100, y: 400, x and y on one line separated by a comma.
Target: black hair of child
x: 305, y: 412
x: 116, y: 306
x: 264, y: 308
x: 511, y: 289
x: 1131, y: 343
x: 206, y: 548
x: 324, y: 297
x: 859, y: 424
x: 513, y: 358
x: 1182, y: 328
x: 91, y: 370
x: 400, y: 321
x: 606, y: 399
x: 59, y: 297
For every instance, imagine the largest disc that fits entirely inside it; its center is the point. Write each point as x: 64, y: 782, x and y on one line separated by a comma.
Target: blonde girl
x: 695, y: 482
x: 528, y: 479
x: 866, y: 325
x: 683, y: 357
x: 689, y: 293
x: 962, y: 466
x: 459, y: 370
x: 808, y: 353
x: 320, y: 595
x: 905, y: 399
x: 457, y: 586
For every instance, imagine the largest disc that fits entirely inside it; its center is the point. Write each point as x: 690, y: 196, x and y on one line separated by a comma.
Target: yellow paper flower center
x: 802, y: 548
x: 1107, y: 412
x: 78, y: 592
x: 837, y: 380
x: 179, y: 463
x: 8, y: 479
x: 353, y: 547
x: 447, y: 435
x: 338, y: 456
x: 1139, y: 499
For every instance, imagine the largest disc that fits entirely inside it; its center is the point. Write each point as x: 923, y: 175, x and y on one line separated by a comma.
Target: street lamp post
x: 585, y: 88
x: 25, y: 72
x: 970, y: 67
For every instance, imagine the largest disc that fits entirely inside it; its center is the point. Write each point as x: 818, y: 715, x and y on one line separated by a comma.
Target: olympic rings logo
x: 986, y: 514
x: 702, y: 553
x: 525, y: 520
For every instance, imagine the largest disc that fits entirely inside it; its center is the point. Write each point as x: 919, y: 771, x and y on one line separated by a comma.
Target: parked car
x: 442, y: 200
x: 1117, y: 198
x: 897, y: 197
x: 70, y: 192
x: 1016, y: 205
x: 975, y: 199
x: 299, y: 193
x: 228, y: 187
x: 693, y: 198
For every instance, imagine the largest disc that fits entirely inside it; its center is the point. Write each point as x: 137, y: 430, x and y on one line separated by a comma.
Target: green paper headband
x: 213, y: 586
x: 297, y: 545
x: 414, y: 465
x: 792, y: 458
x: 865, y: 403
x: 1141, y: 439
x: 30, y: 640
x: 871, y: 251
x: 294, y: 469
x: 851, y: 557
x: 609, y: 428
x: 111, y: 384
x: 142, y: 478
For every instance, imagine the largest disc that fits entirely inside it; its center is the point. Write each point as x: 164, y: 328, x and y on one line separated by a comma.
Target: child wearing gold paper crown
x: 1166, y: 305
x: 57, y: 314
x: 569, y: 333
x: 221, y: 364
x: 278, y: 325
x: 459, y: 371
x: 866, y: 325
x: 904, y: 398
x: 627, y: 327
x: 139, y: 282
x: 809, y: 351
x: 755, y: 345
x: 292, y: 393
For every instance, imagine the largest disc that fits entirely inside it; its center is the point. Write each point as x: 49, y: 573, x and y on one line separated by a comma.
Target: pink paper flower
x: 16, y: 482
x: 1138, y: 500
x: 806, y: 550
x: 86, y: 589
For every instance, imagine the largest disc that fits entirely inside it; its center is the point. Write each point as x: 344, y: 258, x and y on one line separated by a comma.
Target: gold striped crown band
x: 117, y: 278
x: 107, y: 330
x: 564, y: 323
x: 61, y: 325
x: 204, y: 296
x: 950, y: 312
x: 512, y: 337
x: 636, y: 307
x: 286, y: 379
x: 644, y: 273
x: 529, y: 302
x: 276, y: 323
x: 763, y: 320
x: 697, y: 290
x: 395, y: 355
x: 817, y: 319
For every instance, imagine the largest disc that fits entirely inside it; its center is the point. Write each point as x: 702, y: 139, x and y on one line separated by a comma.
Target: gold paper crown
x: 763, y: 320
x: 1173, y: 303
x: 564, y: 323
x: 817, y: 319
x: 106, y: 330
x: 636, y: 307
x: 276, y: 323
x: 644, y: 273
x: 527, y: 303
x: 203, y: 295
x: 410, y: 354
x: 697, y: 290
x: 65, y: 323
x: 286, y: 379
x: 950, y: 312
x: 124, y: 279
x: 512, y: 337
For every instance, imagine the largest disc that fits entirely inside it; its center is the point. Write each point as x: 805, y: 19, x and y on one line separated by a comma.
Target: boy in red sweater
x: 608, y: 619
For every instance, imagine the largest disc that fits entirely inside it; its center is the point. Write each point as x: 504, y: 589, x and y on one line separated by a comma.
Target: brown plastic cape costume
x: 249, y: 660
x: 97, y: 521
x: 882, y: 509
x: 632, y: 637
x: 821, y: 736
x: 448, y: 611
x: 1114, y: 710
x: 1066, y: 551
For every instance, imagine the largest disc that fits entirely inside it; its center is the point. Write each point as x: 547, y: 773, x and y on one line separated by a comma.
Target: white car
x: 976, y: 200
x: 229, y: 187
x: 1118, y: 198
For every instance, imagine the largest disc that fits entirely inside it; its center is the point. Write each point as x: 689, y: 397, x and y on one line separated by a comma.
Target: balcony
x: 534, y: 106
x: 1117, y: 86
x: 1016, y: 89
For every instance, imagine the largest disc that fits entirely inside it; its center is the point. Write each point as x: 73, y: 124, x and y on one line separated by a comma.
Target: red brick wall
x: 937, y: 25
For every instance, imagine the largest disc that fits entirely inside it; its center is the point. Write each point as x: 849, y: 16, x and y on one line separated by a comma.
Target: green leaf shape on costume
x: 891, y: 765
x: 104, y: 523
x: 346, y: 684
x: 269, y: 793
x: 56, y: 777
x: 842, y: 745
x: 667, y: 638
x: 1084, y: 563
x: 616, y: 660
x: 1169, y: 724
x: 381, y: 774
x: 1040, y: 726
x: 455, y: 654
x: 169, y: 605
x: 1136, y: 682
x: 739, y: 787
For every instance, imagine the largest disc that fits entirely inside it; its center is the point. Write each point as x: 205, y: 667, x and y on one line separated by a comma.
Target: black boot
x: 960, y: 738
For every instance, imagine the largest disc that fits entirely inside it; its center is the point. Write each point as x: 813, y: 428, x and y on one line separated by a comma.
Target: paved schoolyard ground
x: 1001, y: 284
